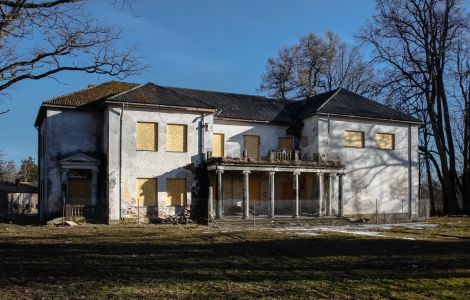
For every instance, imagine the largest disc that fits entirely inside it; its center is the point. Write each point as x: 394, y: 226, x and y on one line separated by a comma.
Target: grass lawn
x: 165, y: 261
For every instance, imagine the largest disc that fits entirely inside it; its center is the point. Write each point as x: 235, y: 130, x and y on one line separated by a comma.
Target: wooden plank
x: 79, y: 191
x: 218, y: 141
x: 385, y: 141
x: 252, y: 144
x: 354, y: 139
x: 147, y: 136
x: 147, y: 191
x: 176, y: 192
x: 285, y: 144
x: 176, y: 139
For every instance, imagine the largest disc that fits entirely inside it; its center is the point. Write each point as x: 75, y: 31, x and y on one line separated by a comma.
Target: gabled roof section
x: 92, y: 95
x: 346, y: 103
x: 153, y: 94
x: 244, y: 107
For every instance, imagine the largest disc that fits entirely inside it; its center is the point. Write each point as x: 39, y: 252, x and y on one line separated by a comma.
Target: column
x: 320, y: 194
x: 246, y: 194
x: 271, y: 191
x: 330, y: 193
x: 296, y: 213
x: 340, y: 195
x: 219, y: 212
x: 94, y: 187
x: 210, y: 200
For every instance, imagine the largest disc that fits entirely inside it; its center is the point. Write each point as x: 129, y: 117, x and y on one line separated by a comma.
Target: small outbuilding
x: 18, y: 199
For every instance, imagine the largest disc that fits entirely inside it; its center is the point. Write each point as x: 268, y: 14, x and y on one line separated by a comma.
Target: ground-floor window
x: 147, y: 191
x: 176, y: 192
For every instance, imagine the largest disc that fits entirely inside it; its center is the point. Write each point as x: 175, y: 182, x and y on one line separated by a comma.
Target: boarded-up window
x: 385, y: 141
x: 285, y: 144
x: 176, y: 192
x: 176, y: 138
x: 252, y: 143
x: 79, y: 191
x: 218, y: 145
x: 354, y: 139
x: 147, y: 136
x: 147, y: 191
x: 255, y: 190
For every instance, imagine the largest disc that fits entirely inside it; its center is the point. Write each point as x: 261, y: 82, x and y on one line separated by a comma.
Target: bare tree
x: 413, y: 41
x: 315, y: 65
x: 41, y: 38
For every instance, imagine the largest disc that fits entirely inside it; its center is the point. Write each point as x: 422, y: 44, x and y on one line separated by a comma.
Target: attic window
x: 385, y: 141
x: 353, y: 139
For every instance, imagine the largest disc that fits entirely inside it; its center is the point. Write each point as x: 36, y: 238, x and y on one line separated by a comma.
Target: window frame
x: 385, y: 133
x: 185, y: 140
x: 155, y: 136
x: 363, y: 139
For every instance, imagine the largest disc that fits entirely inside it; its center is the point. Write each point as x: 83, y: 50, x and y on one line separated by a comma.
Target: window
x: 176, y: 192
x: 147, y: 136
x: 385, y: 141
x: 218, y: 145
x: 176, y: 136
x: 252, y: 144
x: 285, y: 144
x: 353, y: 139
x: 147, y: 191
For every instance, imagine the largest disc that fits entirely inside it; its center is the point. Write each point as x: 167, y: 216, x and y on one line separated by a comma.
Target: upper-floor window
x: 353, y: 139
x: 251, y: 145
x: 176, y: 138
x: 285, y: 144
x: 147, y: 136
x: 218, y: 145
x: 385, y: 141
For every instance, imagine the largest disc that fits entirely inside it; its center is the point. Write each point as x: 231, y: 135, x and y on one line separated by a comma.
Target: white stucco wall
x: 309, y: 145
x: 149, y: 164
x: 388, y: 176
x: 234, y: 132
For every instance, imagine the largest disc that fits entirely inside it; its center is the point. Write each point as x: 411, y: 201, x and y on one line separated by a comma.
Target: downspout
x: 410, y: 179
x: 120, y: 160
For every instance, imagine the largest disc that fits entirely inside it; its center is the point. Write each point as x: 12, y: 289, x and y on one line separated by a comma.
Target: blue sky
x: 206, y: 44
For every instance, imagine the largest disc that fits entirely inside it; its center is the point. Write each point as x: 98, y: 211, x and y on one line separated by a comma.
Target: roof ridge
x: 329, y: 98
x: 89, y: 87
x: 131, y: 89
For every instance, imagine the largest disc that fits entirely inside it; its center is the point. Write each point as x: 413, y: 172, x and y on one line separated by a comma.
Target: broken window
x: 147, y: 136
x: 176, y: 138
x: 176, y: 192
x: 147, y: 191
x: 385, y: 141
x: 353, y: 139
x: 218, y: 145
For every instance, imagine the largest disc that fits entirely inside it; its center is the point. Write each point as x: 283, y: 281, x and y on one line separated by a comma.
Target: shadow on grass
x: 130, y: 263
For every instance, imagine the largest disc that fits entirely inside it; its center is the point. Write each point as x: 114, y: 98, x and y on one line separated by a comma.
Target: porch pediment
x: 80, y: 161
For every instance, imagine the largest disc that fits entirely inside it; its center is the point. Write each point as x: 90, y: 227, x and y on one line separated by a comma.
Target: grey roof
x: 244, y: 107
x: 346, y: 103
x: 150, y: 93
x: 22, y: 187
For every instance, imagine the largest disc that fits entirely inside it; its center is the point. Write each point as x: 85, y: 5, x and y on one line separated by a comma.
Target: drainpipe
x: 201, y: 139
x: 410, y: 179
x: 120, y: 160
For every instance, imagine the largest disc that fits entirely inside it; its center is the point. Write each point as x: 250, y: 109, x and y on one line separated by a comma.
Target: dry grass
x: 155, y: 261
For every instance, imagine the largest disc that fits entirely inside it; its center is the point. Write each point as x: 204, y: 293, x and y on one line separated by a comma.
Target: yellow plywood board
x: 385, y: 141
x: 176, y: 138
x: 176, y: 192
x: 285, y: 144
x: 218, y: 145
x: 147, y: 191
x: 147, y: 136
x: 252, y: 143
x: 79, y: 191
x: 354, y: 139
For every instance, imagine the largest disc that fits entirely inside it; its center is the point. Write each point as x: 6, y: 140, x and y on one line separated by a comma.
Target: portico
x: 270, y: 182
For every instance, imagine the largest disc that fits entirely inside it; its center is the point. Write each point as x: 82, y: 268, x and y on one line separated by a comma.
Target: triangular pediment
x: 80, y: 158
